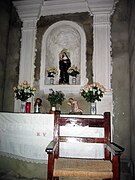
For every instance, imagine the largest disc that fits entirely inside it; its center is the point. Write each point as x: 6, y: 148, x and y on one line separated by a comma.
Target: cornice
x: 67, y: 6
x: 33, y: 9
x: 101, y: 6
x: 28, y: 9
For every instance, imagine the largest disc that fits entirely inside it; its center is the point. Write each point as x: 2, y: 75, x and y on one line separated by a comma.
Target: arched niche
x: 60, y: 35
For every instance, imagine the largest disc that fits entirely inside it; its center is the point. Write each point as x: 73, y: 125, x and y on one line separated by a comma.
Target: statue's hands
x: 65, y: 62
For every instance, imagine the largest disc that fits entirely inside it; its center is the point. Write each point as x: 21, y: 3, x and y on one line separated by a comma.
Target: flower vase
x: 73, y: 80
x: 93, y: 108
x: 55, y: 109
x: 23, y: 106
x: 51, y: 80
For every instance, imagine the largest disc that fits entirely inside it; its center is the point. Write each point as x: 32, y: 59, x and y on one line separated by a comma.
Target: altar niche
x: 63, y: 41
x: 61, y: 48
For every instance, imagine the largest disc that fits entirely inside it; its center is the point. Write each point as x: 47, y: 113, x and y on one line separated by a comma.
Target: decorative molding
x: 66, y: 6
x: 36, y: 8
x: 29, y: 24
x: 101, y: 19
x: 28, y: 9
x: 101, y: 6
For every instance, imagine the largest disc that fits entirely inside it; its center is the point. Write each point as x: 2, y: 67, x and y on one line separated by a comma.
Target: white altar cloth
x: 25, y: 136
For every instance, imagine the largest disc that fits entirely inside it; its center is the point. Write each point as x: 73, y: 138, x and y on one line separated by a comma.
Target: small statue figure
x: 74, y: 107
x: 37, y: 105
x: 64, y: 64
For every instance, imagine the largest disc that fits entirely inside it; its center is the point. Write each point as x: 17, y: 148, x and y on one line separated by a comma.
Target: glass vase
x: 73, y: 80
x: 53, y: 108
x: 93, y: 108
x: 51, y: 80
x: 23, y: 106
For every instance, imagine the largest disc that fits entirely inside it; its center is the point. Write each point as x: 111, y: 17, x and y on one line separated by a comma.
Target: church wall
x: 132, y: 77
x: 4, y: 27
x: 10, y: 35
x: 120, y: 78
x: 12, y: 61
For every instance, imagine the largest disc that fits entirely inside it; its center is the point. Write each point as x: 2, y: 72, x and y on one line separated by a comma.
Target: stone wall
x: 12, y: 62
x: 120, y: 78
x: 10, y: 33
x: 132, y: 78
x: 5, y: 7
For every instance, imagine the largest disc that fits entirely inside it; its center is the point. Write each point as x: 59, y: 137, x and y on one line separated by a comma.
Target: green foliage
x: 55, y: 97
x: 92, y: 92
x: 24, y: 91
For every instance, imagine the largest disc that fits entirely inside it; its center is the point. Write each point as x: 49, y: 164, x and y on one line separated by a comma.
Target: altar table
x: 25, y: 136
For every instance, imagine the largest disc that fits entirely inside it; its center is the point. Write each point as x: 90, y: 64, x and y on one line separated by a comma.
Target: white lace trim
x: 23, y: 158
x: 25, y: 136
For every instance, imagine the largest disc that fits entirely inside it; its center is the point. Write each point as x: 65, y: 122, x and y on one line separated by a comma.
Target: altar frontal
x: 25, y: 136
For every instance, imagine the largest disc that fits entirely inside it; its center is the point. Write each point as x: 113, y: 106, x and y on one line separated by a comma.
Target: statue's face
x: 64, y: 56
x: 70, y: 101
x: 39, y: 101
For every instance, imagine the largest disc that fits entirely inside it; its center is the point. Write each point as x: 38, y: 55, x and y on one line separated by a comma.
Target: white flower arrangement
x: 92, y: 92
x: 51, y: 72
x: 24, y: 91
x: 73, y: 71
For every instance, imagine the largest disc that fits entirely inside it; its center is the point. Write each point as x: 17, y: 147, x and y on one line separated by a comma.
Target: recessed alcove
x: 60, y: 35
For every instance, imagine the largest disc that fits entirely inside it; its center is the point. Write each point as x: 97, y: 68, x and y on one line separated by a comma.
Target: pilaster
x: 29, y: 13
x: 102, y: 48
x: 27, y: 51
x: 102, y: 69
